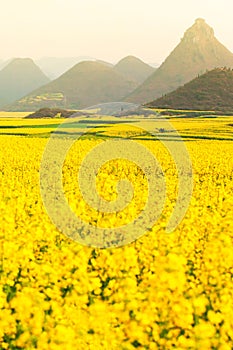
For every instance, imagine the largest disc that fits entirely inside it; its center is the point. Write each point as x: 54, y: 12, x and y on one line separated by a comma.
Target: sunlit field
x: 163, y: 291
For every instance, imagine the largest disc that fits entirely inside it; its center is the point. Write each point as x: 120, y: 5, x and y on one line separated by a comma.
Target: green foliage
x: 212, y: 91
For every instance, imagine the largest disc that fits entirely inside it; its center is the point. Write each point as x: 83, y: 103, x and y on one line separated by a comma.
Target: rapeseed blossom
x: 162, y: 291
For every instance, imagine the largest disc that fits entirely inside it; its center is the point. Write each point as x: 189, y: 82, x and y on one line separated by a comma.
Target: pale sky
x: 106, y: 29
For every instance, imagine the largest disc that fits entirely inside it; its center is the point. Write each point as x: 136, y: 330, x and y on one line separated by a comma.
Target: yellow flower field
x: 163, y: 291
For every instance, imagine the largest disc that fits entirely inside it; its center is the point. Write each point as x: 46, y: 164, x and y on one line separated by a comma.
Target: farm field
x: 162, y: 291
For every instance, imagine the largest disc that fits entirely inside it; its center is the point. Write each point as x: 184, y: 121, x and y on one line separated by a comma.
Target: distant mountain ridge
x: 212, y: 91
x: 19, y: 77
x: 197, y: 51
x: 132, y: 67
x: 86, y: 84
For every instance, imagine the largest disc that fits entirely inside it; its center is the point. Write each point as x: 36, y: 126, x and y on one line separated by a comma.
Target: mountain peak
x: 197, y: 52
x: 18, y: 78
x: 200, y: 21
x: 21, y: 61
x: 130, y: 58
x: 200, y: 30
x: 134, y: 69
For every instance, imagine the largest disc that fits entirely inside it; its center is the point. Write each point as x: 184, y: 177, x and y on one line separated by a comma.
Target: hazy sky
x: 106, y: 29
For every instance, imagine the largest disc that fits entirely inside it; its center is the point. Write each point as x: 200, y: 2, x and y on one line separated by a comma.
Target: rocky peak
x: 199, y: 31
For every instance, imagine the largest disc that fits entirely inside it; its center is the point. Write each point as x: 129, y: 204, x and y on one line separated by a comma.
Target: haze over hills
x: 54, y: 67
x: 87, y: 83
x: 154, y: 64
x: 130, y: 80
x: 18, y: 78
x: 212, y: 91
x: 4, y: 63
x: 197, y: 51
x: 134, y: 69
x: 131, y: 67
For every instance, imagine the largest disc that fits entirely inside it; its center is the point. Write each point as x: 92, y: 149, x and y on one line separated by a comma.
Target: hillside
x: 134, y: 69
x: 212, y: 91
x: 18, y: 78
x: 86, y: 84
x: 197, y: 51
x: 51, y: 113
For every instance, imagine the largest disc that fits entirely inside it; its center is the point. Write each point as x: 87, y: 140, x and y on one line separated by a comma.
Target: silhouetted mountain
x: 198, y: 51
x: 18, y: 78
x: 134, y: 69
x: 87, y: 83
x: 212, y: 91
